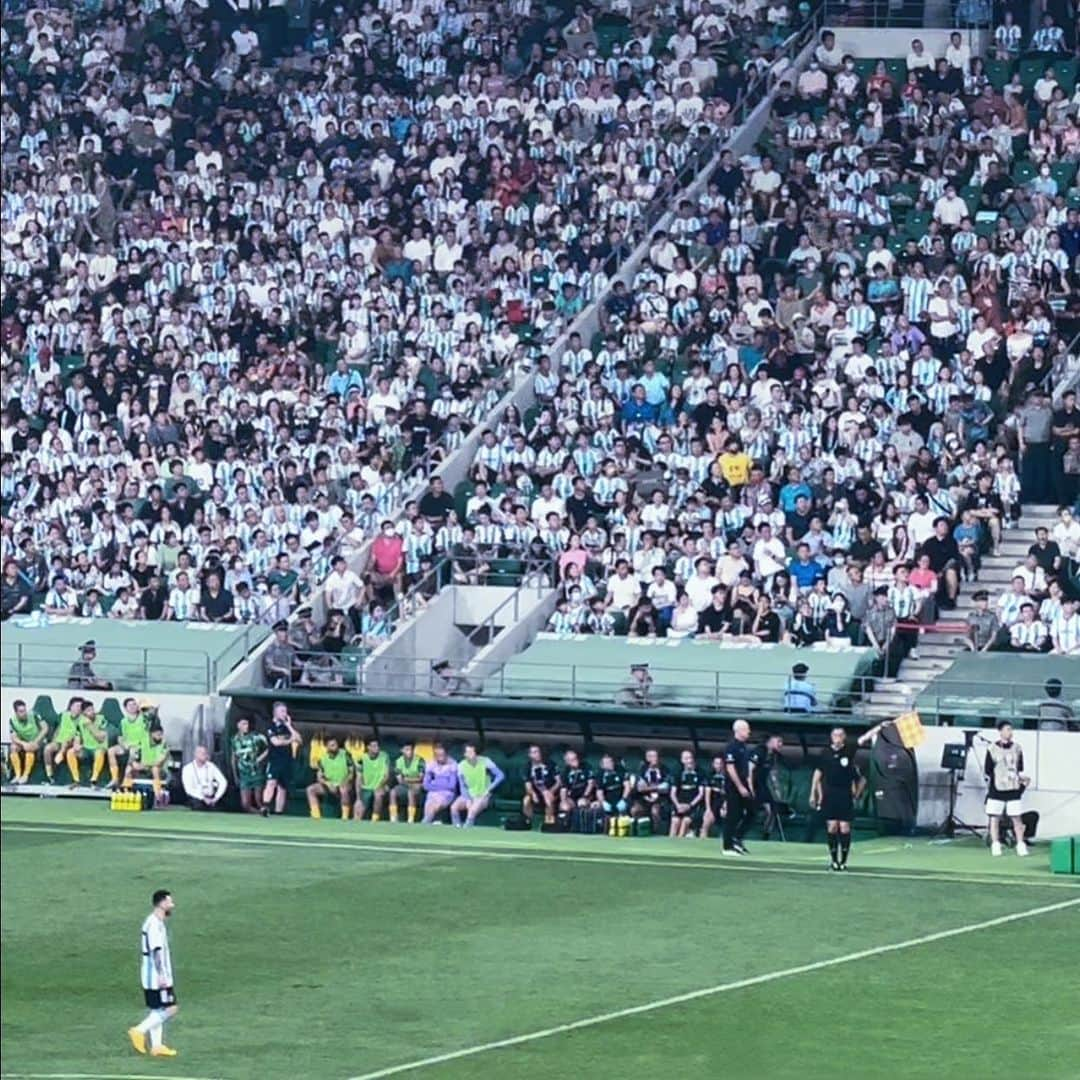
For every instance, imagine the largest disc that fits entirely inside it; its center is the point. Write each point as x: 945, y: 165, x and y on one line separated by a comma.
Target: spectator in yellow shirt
x: 735, y: 464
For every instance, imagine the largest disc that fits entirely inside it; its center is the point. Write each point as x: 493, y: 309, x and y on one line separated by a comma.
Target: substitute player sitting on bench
x: 334, y: 776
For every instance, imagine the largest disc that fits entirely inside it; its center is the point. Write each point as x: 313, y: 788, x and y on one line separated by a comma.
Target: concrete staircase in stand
x: 938, y: 649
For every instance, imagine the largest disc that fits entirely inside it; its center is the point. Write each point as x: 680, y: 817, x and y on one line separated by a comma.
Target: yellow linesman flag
x: 910, y: 728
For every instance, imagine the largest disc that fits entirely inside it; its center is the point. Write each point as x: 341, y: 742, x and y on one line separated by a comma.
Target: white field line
x: 744, y: 864
x: 710, y: 991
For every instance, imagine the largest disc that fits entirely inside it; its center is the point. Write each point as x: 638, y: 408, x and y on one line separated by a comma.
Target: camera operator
x: 1004, y: 769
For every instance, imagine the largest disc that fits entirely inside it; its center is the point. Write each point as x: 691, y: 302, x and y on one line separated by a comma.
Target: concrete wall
x: 863, y: 42
x: 440, y: 632
x: 1051, y: 759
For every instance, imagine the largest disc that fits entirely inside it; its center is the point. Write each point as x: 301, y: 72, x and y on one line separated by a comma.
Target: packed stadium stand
x: 557, y: 365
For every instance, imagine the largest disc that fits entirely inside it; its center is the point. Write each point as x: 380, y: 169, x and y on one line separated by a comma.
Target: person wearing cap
x: 983, y: 625
x: 800, y: 694
x: 637, y: 692
x: 879, y: 628
x: 81, y: 673
x: 279, y: 659
x: 446, y: 681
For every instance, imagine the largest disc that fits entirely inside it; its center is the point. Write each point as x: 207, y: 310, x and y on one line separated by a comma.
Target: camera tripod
x: 954, y: 758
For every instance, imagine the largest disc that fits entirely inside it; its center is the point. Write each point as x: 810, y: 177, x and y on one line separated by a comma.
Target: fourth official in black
x: 836, y: 784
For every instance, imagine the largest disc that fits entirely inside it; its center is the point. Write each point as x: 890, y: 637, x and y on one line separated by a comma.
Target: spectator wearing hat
x: 879, y: 628
x: 446, y: 681
x: 81, y: 674
x: 279, y: 659
x: 637, y: 692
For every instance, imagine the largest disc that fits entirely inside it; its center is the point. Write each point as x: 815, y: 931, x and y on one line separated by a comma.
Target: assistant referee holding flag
x: 837, y: 783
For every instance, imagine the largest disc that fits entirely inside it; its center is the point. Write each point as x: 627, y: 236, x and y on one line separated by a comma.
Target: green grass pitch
x: 342, y: 951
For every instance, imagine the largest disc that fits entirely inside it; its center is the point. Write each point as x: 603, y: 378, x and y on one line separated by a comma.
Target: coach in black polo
x: 740, y: 796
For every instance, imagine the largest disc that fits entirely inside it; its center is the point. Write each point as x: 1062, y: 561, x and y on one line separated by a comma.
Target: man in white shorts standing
x: 1004, y: 769
x: 157, y: 979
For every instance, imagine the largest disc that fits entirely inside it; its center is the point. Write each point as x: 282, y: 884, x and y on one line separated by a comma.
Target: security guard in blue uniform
x: 800, y: 694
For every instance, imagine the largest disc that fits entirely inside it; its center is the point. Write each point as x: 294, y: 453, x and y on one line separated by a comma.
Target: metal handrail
x: 409, y: 486
x: 50, y: 658
x: 532, y: 567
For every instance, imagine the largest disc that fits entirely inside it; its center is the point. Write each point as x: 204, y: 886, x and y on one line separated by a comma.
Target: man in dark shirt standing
x: 944, y: 561
x: 835, y: 786
x: 740, y: 794
x: 763, y: 760
x: 1066, y: 425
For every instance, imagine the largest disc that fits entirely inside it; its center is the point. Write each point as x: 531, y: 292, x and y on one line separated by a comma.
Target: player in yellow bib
x: 408, y: 782
x: 92, y: 743
x: 372, y: 781
x: 334, y: 776
x: 134, y: 737
x: 153, y: 759
x: 29, y: 733
x: 63, y: 739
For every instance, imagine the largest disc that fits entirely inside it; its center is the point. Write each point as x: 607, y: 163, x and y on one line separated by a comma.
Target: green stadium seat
x: 44, y: 708
x: 897, y: 70
x: 999, y: 72
x: 463, y: 491
x: 1063, y: 172
x: 916, y: 223
x: 1031, y: 70
x: 1023, y: 171
x: 112, y: 715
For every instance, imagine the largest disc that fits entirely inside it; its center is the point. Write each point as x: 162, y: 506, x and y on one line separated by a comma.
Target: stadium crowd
x: 256, y: 288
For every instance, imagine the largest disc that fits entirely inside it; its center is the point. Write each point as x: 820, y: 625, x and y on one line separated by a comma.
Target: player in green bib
x: 59, y: 748
x: 134, y: 737
x: 478, y: 777
x: 249, y: 753
x: 153, y: 759
x: 29, y: 733
x: 92, y: 743
x: 372, y: 781
x: 333, y: 777
x: 409, y: 778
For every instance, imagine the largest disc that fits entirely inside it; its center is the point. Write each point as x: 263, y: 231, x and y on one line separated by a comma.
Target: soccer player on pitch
x: 157, y: 979
x: 837, y: 783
